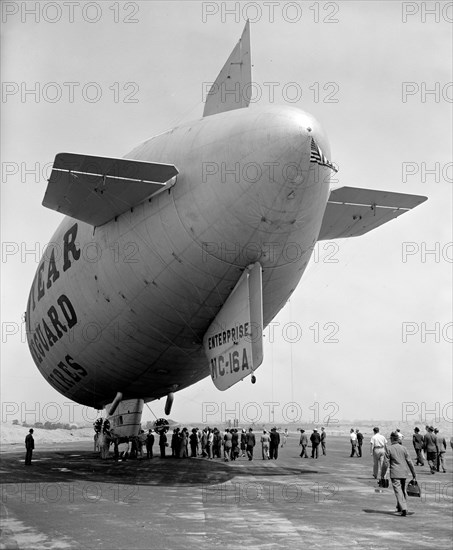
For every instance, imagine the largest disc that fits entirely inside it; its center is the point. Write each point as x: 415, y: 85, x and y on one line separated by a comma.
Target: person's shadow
x: 385, y: 512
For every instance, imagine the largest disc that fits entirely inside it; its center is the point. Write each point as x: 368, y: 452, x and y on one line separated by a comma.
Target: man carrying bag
x: 397, y: 458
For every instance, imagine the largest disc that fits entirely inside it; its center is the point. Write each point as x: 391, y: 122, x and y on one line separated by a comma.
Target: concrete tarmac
x: 69, y: 498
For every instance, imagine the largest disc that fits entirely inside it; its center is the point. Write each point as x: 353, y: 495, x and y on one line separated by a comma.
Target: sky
x: 368, y: 332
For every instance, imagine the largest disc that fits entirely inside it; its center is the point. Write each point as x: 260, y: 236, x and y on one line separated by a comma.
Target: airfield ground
x: 70, y: 499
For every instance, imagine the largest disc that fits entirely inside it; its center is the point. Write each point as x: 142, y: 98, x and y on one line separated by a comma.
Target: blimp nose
x: 296, y: 145
x: 284, y: 161
x: 252, y: 182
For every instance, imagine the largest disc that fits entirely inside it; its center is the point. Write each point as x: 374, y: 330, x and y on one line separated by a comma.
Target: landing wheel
x: 253, y: 379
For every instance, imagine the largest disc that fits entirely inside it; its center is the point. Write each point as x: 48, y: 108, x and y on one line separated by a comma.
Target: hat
x: 315, y: 430
x: 394, y: 435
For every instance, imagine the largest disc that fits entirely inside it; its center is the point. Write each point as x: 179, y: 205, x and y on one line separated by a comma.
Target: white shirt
x: 353, y: 436
x: 377, y: 441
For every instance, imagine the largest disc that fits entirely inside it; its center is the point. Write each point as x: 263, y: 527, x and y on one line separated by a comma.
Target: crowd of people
x: 233, y: 443
x: 430, y: 447
x: 390, y: 456
x: 316, y: 439
x: 229, y: 444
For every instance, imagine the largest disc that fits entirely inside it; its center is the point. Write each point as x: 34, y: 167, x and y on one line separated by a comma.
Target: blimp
x: 171, y: 261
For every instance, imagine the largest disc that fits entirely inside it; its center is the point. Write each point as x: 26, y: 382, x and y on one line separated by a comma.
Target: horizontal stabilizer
x: 352, y: 211
x: 96, y: 189
x: 232, y: 87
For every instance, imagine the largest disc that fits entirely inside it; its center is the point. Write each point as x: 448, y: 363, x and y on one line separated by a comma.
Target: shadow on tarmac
x: 51, y: 467
x: 385, y: 513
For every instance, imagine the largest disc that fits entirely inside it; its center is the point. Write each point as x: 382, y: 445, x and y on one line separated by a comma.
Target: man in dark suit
x: 162, y: 443
x: 149, y: 444
x: 250, y: 443
x: 29, y: 446
x: 430, y: 448
x: 274, y: 443
x: 417, y: 442
x: 359, y: 443
x: 315, y: 439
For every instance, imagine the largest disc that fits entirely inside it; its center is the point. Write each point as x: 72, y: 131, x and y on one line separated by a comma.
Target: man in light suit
x: 397, y: 459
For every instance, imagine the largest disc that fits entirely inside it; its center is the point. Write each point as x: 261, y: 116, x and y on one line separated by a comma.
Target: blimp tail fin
x: 234, y: 341
x: 231, y: 89
x: 352, y: 211
x: 97, y: 189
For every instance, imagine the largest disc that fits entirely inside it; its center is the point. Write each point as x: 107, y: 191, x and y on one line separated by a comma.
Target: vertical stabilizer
x: 234, y: 341
x: 232, y: 89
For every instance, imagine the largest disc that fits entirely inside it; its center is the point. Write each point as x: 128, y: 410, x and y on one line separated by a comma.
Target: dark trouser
x: 250, y: 452
x: 359, y: 449
x: 353, y: 448
x: 162, y: 451
x: 28, y: 455
x: 431, y: 457
x: 149, y: 452
x: 273, y: 451
x: 419, y: 457
x: 314, y: 450
x: 193, y: 449
x: 304, y: 451
x: 323, y: 447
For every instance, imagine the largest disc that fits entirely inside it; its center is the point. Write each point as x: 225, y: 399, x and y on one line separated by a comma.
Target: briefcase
x: 413, y: 489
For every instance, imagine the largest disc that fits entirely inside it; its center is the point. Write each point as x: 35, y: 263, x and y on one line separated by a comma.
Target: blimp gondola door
x: 234, y: 340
